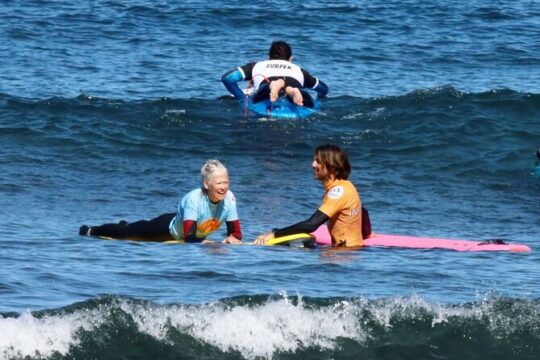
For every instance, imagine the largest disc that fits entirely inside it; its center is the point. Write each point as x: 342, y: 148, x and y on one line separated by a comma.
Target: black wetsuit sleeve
x: 317, y: 219
x: 311, y: 82
x: 248, y: 70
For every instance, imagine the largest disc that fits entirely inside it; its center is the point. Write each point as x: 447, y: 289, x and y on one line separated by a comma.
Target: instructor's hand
x: 264, y: 238
x: 231, y: 240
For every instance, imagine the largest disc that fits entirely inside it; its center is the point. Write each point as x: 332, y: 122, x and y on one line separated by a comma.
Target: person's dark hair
x: 334, y: 159
x: 280, y: 50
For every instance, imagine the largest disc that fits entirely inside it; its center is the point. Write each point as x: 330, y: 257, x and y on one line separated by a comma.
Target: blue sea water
x: 109, y: 108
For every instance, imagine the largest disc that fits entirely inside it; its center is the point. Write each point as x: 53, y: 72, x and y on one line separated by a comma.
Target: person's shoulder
x: 230, y: 199
x: 230, y: 196
x: 336, y: 191
x: 194, y: 194
x: 196, y: 191
x: 341, y: 182
x: 347, y: 184
x: 350, y: 189
x: 249, y: 65
x: 341, y: 187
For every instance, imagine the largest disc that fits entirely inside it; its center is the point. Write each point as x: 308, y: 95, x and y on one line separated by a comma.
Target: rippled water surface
x: 108, y: 109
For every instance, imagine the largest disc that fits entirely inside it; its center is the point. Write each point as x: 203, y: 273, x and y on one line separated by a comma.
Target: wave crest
x: 267, y: 326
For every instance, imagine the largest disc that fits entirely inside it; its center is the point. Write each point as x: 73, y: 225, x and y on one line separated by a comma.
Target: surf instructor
x: 341, y: 206
x: 272, y: 76
x: 199, y: 214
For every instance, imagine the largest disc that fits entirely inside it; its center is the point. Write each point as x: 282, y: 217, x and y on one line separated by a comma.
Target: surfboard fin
x: 493, y: 242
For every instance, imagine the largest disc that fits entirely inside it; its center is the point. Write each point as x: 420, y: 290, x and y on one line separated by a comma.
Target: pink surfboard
x: 413, y: 242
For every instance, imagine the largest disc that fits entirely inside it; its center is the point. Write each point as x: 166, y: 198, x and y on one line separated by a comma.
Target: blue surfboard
x: 281, y: 109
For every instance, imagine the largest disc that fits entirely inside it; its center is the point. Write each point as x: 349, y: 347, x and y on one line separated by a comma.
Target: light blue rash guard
x: 209, y: 216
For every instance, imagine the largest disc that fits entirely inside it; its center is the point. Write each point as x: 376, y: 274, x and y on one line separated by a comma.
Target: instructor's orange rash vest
x: 341, y: 203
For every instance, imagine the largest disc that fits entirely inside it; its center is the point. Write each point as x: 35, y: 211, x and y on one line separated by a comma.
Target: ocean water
x: 109, y: 108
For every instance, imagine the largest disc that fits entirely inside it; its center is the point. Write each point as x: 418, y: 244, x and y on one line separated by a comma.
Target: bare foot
x: 295, y: 94
x: 275, y: 87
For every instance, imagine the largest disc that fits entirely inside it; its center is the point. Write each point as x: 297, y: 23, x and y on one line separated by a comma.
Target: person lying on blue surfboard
x: 274, y: 77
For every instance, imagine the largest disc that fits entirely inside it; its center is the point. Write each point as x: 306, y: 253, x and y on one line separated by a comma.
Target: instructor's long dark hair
x: 334, y: 159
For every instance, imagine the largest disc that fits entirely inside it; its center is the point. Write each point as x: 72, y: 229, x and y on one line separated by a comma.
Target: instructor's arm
x: 317, y: 219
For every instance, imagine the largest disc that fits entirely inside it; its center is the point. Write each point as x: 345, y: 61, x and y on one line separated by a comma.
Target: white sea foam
x: 30, y: 336
x: 255, y: 330
x: 259, y: 330
x: 274, y: 326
